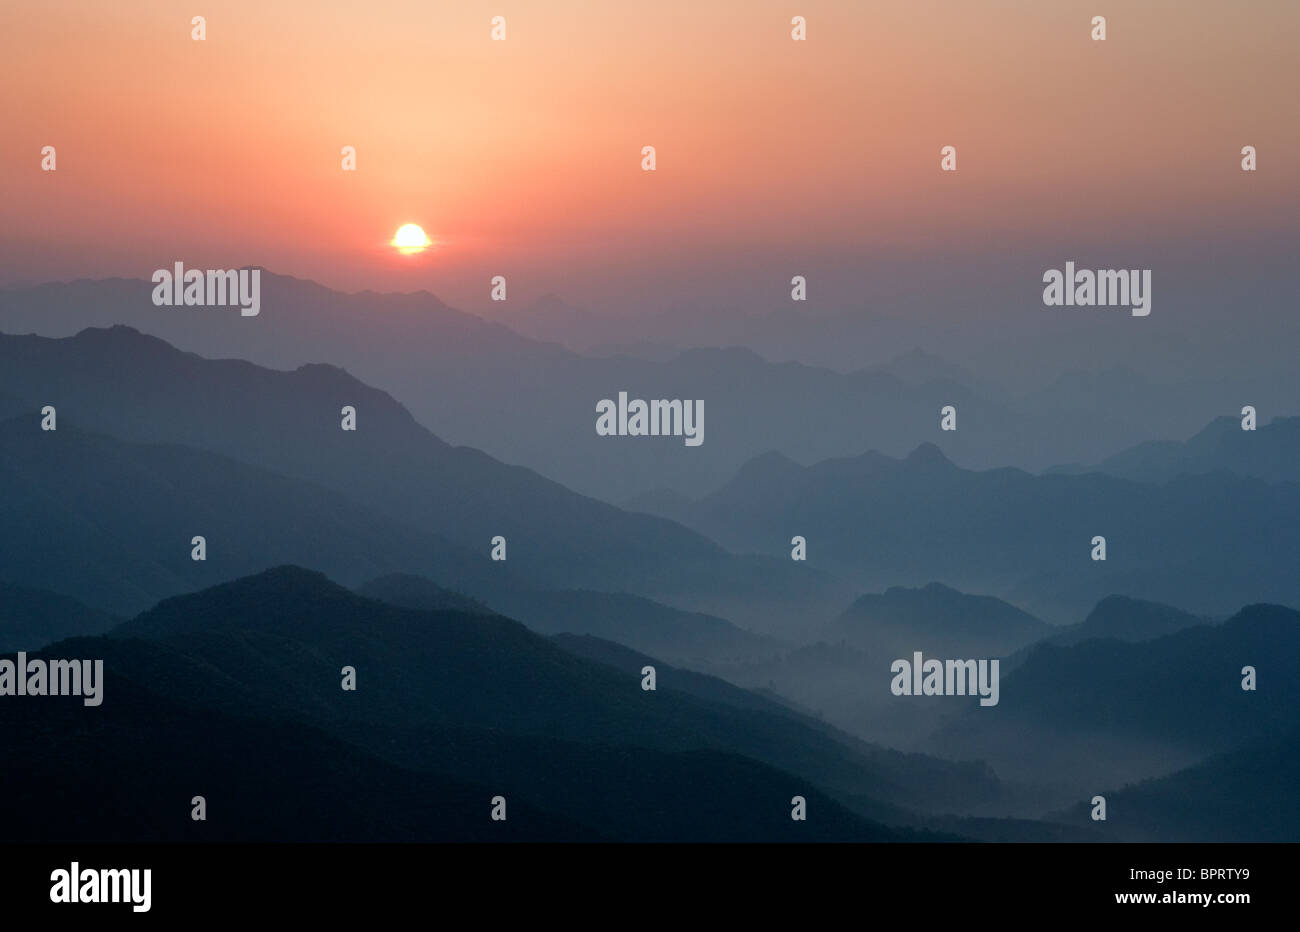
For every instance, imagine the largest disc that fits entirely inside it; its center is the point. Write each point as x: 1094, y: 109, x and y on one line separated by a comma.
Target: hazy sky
x: 523, y: 157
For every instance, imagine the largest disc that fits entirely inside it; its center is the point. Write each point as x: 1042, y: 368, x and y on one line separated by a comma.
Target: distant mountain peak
x: 325, y: 373
x: 285, y: 577
x: 928, y: 455
x: 293, y: 587
x: 919, y: 367
x: 1260, y: 613
x: 120, y: 338
x: 772, y: 463
x: 938, y: 615
x: 1130, y: 619
x: 1217, y: 427
x: 114, y: 331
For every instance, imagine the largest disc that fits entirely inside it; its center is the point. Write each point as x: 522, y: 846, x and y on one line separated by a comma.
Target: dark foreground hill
x: 128, y: 771
x: 235, y: 691
x: 1245, y: 795
x: 473, y: 671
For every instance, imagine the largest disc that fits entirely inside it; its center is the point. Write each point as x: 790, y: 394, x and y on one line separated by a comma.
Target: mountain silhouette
x: 1024, y: 538
x: 411, y: 591
x: 531, y: 402
x: 1245, y: 795
x: 1120, y: 618
x: 460, y: 694
x: 31, y: 618
x: 628, y: 619
x: 129, y: 770
x: 936, y: 619
x: 1126, y: 619
x: 1270, y: 452
x: 1106, y: 710
x: 111, y: 523
x: 241, y: 685
x: 139, y: 389
x: 640, y: 623
x: 914, y: 780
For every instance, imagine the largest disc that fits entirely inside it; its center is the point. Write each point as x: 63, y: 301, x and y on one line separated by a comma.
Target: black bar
x: 658, y: 882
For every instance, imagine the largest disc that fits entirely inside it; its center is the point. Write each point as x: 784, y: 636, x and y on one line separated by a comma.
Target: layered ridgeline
x: 935, y: 780
x: 111, y: 523
x: 1270, y: 451
x: 143, y: 391
x: 1205, y: 543
x: 31, y: 618
x: 845, y: 674
x: 1118, y: 617
x: 1121, y: 618
x: 689, y: 637
x: 243, y: 684
x: 531, y: 402
x: 1127, y: 619
x: 1244, y: 795
x: 473, y: 705
x: 1104, y: 712
x: 935, y: 619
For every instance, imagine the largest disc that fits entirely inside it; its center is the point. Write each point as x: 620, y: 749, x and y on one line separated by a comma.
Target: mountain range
x: 1204, y: 543
x: 475, y: 700
x: 1102, y: 709
x: 935, y: 619
x: 140, y: 390
x: 1271, y: 452
x: 479, y: 383
x: 522, y: 677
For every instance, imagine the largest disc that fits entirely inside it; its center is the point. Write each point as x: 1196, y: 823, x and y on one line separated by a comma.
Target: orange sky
x: 522, y: 157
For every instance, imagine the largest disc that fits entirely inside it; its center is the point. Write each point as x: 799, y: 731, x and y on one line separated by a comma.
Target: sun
x: 411, y: 239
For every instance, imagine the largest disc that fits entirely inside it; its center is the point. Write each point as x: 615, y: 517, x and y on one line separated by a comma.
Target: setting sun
x: 411, y: 239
